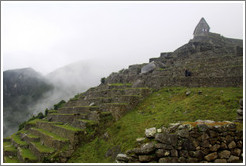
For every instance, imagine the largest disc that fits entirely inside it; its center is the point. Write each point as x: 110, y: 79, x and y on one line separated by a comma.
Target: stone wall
x: 194, y: 142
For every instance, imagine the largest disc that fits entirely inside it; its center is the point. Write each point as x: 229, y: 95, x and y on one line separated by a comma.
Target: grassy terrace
x: 54, y: 136
x: 120, y: 84
x: 18, y: 140
x: 27, y: 154
x: 169, y: 105
x: 11, y: 160
x: 82, y: 107
x: 68, y: 127
x: 7, y: 146
x: 43, y: 149
x: 66, y: 114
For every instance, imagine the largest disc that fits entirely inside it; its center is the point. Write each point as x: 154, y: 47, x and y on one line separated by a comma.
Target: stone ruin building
x: 202, y: 28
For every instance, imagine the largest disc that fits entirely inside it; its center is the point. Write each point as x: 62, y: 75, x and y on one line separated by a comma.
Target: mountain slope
x: 168, y: 105
x: 22, y: 89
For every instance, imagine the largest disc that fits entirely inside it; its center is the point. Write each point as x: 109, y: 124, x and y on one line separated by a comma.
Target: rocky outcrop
x: 203, y: 141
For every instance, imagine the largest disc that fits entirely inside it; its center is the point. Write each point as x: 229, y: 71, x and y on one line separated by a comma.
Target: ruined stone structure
x: 213, y: 60
x: 198, y: 142
x: 202, y: 28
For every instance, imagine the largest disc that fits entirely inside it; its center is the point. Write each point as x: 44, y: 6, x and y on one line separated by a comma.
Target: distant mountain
x: 22, y: 89
x: 26, y: 92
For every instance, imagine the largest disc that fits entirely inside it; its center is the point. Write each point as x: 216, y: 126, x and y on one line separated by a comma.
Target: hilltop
x: 202, y: 79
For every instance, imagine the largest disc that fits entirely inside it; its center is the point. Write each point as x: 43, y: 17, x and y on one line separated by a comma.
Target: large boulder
x: 148, y: 68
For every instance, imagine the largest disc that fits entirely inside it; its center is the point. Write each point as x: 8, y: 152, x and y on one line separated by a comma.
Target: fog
x: 93, y: 39
x: 49, y: 35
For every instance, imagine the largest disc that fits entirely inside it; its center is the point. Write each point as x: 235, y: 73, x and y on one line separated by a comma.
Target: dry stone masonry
x: 203, y: 141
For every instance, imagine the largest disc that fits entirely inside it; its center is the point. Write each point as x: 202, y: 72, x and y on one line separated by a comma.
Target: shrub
x: 103, y: 80
x: 59, y: 105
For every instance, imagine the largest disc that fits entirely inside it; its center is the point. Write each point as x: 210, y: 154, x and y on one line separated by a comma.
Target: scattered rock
x: 148, y: 68
x: 122, y: 158
x: 150, y: 132
x: 140, y: 140
x: 187, y: 93
x: 159, y: 130
x: 215, y: 147
x: 145, y: 148
x: 92, y: 104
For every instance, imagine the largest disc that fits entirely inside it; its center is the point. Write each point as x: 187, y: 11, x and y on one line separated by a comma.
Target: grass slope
x: 161, y: 108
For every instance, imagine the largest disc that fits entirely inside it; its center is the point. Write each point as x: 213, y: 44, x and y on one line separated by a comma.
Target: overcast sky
x: 48, y: 35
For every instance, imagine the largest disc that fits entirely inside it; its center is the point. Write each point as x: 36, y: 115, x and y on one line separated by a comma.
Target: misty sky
x: 49, y: 35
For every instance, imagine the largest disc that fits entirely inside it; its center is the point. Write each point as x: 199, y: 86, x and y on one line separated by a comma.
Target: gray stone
x: 192, y: 160
x: 173, y: 127
x: 92, y: 104
x: 148, y: 68
x: 146, y: 158
x: 145, y: 148
x: 240, y: 112
x: 140, y: 140
x: 236, y: 152
x: 233, y: 159
x: 150, y: 132
x: 183, y: 133
x: 187, y: 93
x: 202, y: 127
x: 122, y: 157
x: 161, y: 153
x: 232, y: 145
x: 220, y: 161
x: 215, y: 147
x: 182, y: 160
x: 211, y: 156
x: 188, y: 145
x: 163, y: 146
x: 168, y: 160
x: 174, y: 153
x: 170, y: 139
x: 225, y: 154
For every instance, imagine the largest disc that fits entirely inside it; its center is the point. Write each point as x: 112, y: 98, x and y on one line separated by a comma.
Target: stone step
x: 119, y: 85
x: 49, y: 139
x: 77, y: 109
x: 120, y: 92
x: 116, y: 109
x: 130, y: 99
x: 161, y: 81
x: 30, y: 137
x: 17, y: 141
x: 41, y: 151
x: 9, y: 149
x: 85, y: 124
x: 73, y: 134
x: 65, y: 118
x: 26, y: 156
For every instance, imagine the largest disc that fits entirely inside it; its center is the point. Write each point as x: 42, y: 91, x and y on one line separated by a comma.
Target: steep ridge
x: 211, y: 60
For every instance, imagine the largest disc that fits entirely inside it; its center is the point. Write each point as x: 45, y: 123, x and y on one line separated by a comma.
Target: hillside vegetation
x: 168, y: 105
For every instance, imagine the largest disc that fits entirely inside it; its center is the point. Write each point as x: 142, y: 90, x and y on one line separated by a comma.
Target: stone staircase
x: 54, y: 138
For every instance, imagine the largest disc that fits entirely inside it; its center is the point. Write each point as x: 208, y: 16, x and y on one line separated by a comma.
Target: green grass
x: 18, y: 140
x: 27, y: 154
x: 120, y: 84
x: 11, y: 160
x: 7, y: 146
x: 68, y: 127
x: 54, y: 136
x: 166, y: 106
x: 43, y: 148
